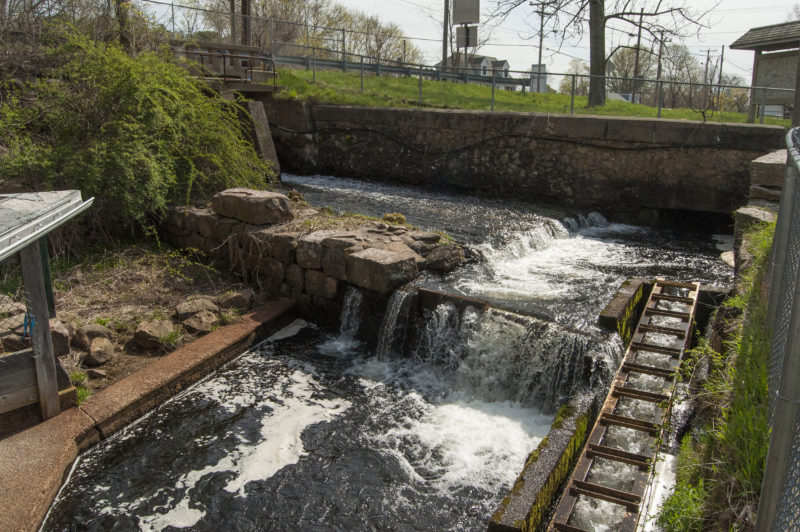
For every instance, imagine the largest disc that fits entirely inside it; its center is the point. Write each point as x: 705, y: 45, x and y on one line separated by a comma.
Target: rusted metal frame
x: 648, y: 370
x: 631, y: 501
x: 668, y: 313
x: 612, y: 453
x: 673, y: 352
x: 680, y: 333
x: 624, y: 391
x: 631, y: 423
x: 676, y: 299
x: 563, y: 527
x: 678, y: 284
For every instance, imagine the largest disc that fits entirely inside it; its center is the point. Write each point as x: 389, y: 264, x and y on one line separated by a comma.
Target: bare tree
x: 655, y: 18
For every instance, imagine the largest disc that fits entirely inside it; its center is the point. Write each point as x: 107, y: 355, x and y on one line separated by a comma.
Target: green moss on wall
x: 626, y: 325
x: 544, y: 499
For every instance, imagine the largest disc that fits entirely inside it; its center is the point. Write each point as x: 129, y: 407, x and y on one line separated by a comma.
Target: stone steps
x: 766, y: 176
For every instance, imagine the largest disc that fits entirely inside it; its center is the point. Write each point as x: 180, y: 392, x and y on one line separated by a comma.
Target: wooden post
x: 44, y: 360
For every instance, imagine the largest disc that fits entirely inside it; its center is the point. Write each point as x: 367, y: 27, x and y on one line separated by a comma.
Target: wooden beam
x: 44, y: 360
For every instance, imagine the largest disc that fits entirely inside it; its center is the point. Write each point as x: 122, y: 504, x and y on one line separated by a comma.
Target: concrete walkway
x: 35, y: 462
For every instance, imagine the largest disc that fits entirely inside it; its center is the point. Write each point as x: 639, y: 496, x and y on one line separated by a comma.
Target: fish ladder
x: 662, y: 335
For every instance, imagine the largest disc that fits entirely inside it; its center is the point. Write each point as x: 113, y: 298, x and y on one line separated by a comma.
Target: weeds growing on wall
x: 721, y: 463
x: 136, y: 132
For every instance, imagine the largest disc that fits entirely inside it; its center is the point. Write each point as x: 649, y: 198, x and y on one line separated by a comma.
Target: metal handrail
x: 250, y: 58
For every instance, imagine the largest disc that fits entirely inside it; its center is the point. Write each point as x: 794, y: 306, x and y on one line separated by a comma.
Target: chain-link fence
x: 318, y: 48
x: 779, y: 506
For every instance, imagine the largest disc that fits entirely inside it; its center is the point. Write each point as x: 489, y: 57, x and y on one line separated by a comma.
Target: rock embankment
x: 285, y: 256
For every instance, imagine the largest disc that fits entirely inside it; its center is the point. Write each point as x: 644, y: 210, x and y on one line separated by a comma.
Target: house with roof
x: 480, y: 65
x: 774, y: 66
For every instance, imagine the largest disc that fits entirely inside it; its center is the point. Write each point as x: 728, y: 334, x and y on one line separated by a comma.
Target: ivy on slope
x: 136, y: 132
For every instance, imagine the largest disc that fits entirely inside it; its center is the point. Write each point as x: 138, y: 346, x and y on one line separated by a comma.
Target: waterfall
x: 349, y: 322
x: 350, y: 318
x: 393, y: 329
x: 501, y: 356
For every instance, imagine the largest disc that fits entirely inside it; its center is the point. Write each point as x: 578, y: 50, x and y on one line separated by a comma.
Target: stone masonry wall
x: 614, y: 165
x: 313, y: 268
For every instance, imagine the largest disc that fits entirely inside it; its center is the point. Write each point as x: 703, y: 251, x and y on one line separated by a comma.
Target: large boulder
x: 85, y: 334
x: 236, y: 298
x: 255, y: 207
x: 203, y: 322
x: 380, y: 270
x: 445, y: 258
x: 193, y: 306
x: 148, y: 334
x: 60, y: 336
x: 101, y: 351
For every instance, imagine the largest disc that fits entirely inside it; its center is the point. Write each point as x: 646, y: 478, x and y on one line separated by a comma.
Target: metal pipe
x: 493, y: 74
x: 572, y: 96
x: 420, y: 87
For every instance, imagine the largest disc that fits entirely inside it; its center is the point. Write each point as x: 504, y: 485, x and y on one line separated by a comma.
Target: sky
x: 420, y: 21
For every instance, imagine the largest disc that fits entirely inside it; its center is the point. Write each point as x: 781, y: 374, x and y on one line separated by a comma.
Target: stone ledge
x: 118, y: 405
x: 622, y: 312
x: 769, y: 169
x: 536, y: 489
x: 35, y: 462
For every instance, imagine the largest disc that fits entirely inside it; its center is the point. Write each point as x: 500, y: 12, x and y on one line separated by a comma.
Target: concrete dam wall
x: 615, y: 165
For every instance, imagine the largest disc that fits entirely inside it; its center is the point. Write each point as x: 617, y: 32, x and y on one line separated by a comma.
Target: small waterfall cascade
x: 349, y: 322
x: 501, y: 356
x: 394, y: 326
x: 350, y: 318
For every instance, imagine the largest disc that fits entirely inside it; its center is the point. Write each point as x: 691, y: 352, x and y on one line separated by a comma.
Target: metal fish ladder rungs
x: 677, y: 302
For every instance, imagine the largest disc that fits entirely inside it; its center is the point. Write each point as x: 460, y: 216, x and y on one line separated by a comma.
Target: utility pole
x: 445, y: 32
x: 719, y: 80
x: 705, y: 81
x: 541, y: 13
x: 636, y: 61
x: 541, y: 39
x: 658, y: 71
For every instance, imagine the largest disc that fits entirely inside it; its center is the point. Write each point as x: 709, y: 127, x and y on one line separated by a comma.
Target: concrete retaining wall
x: 614, y: 165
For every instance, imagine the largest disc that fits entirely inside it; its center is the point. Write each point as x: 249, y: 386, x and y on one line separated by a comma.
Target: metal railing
x: 712, y: 100
x: 779, y: 505
x: 244, y: 71
x: 322, y: 48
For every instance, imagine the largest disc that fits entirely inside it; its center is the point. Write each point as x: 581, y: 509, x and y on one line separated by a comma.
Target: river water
x: 312, y: 430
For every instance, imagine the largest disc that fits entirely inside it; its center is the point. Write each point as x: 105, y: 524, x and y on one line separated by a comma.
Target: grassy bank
x: 345, y: 88
x: 721, y: 463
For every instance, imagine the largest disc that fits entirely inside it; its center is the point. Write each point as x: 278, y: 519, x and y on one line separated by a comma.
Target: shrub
x: 138, y: 133
x: 394, y: 218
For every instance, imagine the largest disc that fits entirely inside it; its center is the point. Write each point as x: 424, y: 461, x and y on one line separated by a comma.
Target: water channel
x: 313, y: 430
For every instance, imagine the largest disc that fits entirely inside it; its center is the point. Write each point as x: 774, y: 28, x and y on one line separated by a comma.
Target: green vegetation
x: 137, y: 132
x: 171, y: 340
x: 721, y: 463
x: 394, y: 218
x: 79, y: 379
x: 345, y: 88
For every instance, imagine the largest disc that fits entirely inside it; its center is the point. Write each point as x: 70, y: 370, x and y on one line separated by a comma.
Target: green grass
x: 721, y: 464
x: 345, y: 88
x: 171, y: 340
x: 79, y: 379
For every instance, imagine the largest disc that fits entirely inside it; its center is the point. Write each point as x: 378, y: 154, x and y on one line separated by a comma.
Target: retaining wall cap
x: 33, y: 464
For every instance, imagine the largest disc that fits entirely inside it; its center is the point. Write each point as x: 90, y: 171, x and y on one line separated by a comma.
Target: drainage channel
x: 607, y: 488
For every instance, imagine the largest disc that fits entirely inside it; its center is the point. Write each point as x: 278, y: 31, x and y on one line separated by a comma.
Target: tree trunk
x: 121, y: 9
x: 597, y: 53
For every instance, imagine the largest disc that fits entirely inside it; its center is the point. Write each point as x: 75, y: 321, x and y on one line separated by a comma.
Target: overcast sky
x: 729, y: 20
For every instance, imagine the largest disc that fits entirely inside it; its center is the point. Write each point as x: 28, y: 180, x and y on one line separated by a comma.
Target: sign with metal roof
x: 26, y: 217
